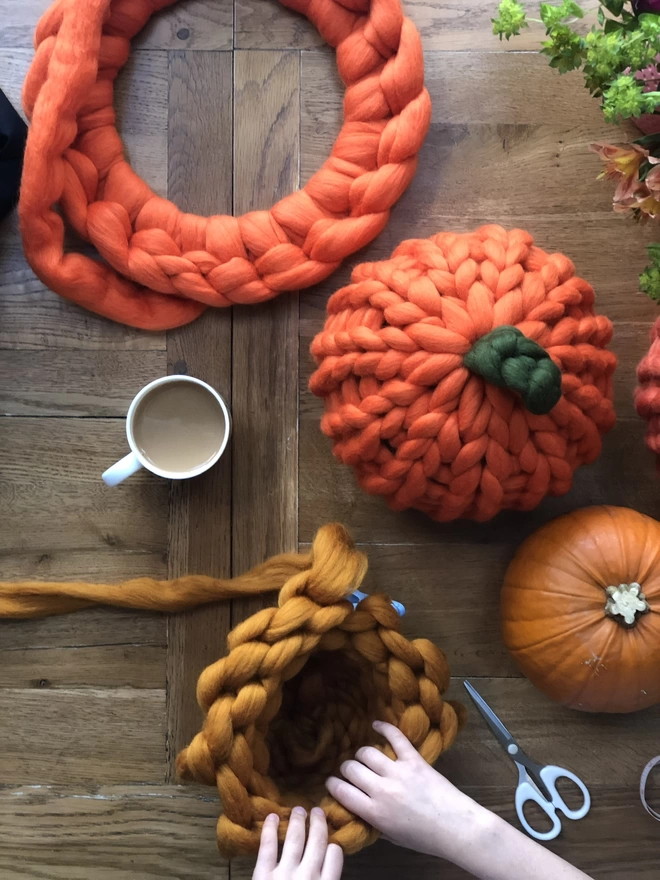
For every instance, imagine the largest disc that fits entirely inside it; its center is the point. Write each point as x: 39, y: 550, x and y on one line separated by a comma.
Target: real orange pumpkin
x: 581, y: 610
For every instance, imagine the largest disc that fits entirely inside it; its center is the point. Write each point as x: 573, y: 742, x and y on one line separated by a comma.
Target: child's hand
x: 407, y: 800
x: 316, y: 861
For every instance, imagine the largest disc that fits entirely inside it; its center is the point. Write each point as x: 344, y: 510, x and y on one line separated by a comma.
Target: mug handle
x: 121, y: 469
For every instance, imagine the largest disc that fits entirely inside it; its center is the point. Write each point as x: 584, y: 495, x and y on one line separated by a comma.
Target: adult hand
x: 316, y: 860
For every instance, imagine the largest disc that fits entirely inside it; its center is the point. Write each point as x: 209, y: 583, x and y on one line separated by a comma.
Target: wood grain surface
x: 200, y: 179
x: 113, y: 832
x: 265, y: 340
x: 226, y: 107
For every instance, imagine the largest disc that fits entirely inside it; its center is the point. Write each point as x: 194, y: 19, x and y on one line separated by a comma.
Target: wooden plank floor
x: 94, y: 706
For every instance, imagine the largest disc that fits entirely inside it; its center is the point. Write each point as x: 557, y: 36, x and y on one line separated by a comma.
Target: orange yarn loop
x: 166, y: 266
x: 647, y: 393
x: 299, y: 689
x: 420, y: 428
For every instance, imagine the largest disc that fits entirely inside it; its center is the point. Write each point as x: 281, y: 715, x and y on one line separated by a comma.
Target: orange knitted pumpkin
x: 164, y: 267
x: 647, y: 392
x: 465, y: 375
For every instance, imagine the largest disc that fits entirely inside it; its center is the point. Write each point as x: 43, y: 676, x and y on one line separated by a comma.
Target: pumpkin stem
x: 626, y: 603
x: 509, y: 359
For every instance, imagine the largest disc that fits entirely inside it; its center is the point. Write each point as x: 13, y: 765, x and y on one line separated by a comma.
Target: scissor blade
x: 499, y: 730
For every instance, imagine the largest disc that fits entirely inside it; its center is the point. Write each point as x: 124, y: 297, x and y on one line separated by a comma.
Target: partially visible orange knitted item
x: 647, y: 393
x: 166, y: 266
x: 299, y: 689
x: 465, y: 375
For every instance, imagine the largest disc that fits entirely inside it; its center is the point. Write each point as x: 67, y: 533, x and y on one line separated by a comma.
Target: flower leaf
x: 644, y: 170
x: 613, y: 6
x: 612, y: 25
x: 648, y: 141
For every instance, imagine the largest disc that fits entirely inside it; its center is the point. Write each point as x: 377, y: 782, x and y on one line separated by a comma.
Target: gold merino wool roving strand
x: 299, y: 688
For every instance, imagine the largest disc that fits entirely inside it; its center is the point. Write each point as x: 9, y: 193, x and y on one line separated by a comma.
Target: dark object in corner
x: 13, y: 134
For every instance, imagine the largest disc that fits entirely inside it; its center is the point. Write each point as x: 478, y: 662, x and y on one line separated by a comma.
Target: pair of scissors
x: 535, y: 783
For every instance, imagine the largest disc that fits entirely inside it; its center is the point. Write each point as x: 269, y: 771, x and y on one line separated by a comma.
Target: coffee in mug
x: 177, y: 427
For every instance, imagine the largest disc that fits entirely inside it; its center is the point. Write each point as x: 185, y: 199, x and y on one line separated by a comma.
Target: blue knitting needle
x: 357, y: 596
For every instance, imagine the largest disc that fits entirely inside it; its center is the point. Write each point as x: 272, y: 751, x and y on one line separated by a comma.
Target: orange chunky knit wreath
x: 299, y: 689
x: 166, y: 266
x: 465, y: 375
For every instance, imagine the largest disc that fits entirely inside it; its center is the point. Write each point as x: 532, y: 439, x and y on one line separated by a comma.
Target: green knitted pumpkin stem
x: 507, y: 358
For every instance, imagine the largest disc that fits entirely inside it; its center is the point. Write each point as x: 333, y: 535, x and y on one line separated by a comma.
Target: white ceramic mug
x: 136, y: 459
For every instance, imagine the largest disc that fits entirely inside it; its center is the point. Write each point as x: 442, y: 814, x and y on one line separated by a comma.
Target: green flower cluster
x: 619, y: 58
x: 512, y: 17
x: 624, y: 98
x: 649, y: 280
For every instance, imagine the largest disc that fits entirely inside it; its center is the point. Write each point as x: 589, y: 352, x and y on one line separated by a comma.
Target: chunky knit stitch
x: 465, y: 375
x: 165, y: 266
x: 298, y: 691
x: 647, y: 393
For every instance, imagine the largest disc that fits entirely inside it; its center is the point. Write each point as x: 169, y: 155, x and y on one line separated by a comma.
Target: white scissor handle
x: 525, y: 792
x: 550, y: 775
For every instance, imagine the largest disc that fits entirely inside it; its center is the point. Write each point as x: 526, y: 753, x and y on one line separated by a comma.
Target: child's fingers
x: 374, y: 759
x: 267, y: 858
x: 350, y: 797
x: 333, y: 863
x: 294, y: 842
x: 361, y: 776
x: 317, y: 842
x: 399, y: 741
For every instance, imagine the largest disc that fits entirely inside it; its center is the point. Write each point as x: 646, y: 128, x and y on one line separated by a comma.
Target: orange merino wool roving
x: 465, y: 375
x: 164, y: 267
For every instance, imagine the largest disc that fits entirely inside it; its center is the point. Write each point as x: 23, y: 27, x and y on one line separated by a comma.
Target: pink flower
x: 650, y: 76
x: 652, y: 182
x: 622, y: 164
x: 644, y: 203
x: 647, y: 207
